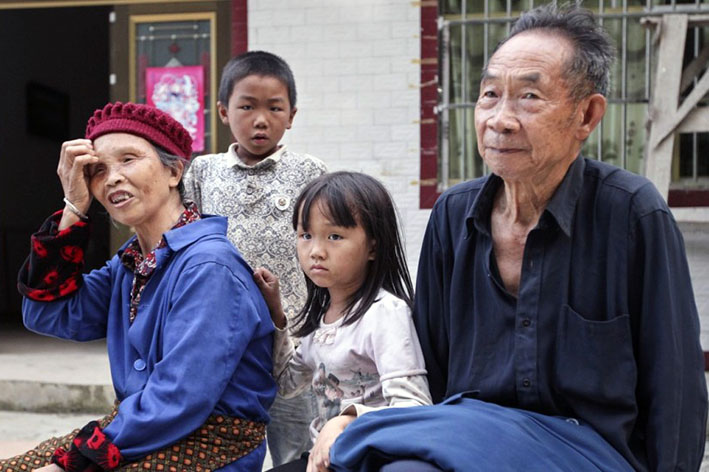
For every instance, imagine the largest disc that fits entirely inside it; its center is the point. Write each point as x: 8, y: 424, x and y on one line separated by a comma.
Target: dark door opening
x: 56, y: 62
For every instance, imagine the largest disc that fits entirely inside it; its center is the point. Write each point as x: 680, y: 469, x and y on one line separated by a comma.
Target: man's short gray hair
x: 589, y: 71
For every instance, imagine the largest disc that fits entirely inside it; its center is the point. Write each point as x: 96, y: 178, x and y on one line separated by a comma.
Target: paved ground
x: 24, y: 430
x: 696, y: 239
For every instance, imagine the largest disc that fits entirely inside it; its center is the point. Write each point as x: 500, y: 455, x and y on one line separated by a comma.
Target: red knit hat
x: 141, y: 120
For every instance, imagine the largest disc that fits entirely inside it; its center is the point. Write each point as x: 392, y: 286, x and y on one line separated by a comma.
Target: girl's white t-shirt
x: 373, y: 363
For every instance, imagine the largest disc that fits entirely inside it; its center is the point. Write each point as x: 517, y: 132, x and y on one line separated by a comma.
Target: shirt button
x: 139, y: 364
x: 526, y: 383
x: 526, y: 323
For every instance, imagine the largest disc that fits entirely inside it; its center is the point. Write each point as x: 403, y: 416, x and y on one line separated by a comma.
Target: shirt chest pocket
x: 594, y: 362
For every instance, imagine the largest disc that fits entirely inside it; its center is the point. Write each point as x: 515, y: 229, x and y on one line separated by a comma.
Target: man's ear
x: 222, y: 109
x: 592, y: 109
x: 290, y: 118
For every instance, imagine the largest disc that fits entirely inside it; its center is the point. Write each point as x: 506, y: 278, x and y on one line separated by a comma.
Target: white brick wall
x: 357, y: 78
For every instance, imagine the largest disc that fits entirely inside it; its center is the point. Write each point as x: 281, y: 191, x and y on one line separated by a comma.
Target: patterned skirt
x: 221, y: 440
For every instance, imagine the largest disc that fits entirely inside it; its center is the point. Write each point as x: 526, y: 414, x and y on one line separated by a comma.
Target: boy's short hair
x: 255, y: 63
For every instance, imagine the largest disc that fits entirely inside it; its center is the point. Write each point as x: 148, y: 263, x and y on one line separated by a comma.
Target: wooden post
x: 667, y: 116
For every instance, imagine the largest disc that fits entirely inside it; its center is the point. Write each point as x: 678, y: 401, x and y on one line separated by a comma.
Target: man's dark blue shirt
x: 604, y: 327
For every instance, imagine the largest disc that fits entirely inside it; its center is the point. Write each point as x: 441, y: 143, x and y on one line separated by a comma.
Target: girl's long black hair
x: 350, y: 199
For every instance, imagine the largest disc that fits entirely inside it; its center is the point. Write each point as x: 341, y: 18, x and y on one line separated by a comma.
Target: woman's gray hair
x: 171, y: 161
x: 589, y: 71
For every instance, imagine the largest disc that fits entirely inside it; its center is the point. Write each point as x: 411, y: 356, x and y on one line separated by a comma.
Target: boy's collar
x: 234, y: 160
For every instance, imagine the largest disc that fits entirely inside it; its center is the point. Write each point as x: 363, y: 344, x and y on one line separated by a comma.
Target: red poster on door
x: 179, y: 91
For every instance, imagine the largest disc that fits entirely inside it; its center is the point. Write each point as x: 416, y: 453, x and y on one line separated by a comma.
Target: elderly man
x: 554, y: 303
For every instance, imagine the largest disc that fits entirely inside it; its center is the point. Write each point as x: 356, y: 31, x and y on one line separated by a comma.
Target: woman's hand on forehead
x: 74, y: 159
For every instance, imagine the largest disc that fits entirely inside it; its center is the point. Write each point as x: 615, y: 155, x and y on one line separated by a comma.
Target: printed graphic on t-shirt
x: 330, y: 391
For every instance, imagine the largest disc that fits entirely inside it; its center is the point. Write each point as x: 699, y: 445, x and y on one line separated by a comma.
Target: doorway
x: 55, y: 74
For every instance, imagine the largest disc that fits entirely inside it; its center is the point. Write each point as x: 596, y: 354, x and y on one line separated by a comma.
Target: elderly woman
x: 189, y: 335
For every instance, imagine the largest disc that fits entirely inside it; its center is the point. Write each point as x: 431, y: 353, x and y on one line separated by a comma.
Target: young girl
x: 359, y: 349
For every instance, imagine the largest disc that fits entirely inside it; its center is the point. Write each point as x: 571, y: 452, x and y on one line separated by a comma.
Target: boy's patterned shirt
x: 259, y: 201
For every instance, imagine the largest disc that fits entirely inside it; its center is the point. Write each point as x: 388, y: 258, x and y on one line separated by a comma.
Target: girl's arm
x: 401, y: 392
x: 290, y: 370
x: 395, y: 349
x: 292, y: 373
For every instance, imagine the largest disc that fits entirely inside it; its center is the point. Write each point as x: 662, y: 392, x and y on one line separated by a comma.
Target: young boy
x: 255, y: 184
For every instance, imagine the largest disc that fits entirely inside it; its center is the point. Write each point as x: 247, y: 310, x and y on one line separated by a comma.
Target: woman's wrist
x: 75, y: 210
x: 68, y: 218
x: 71, y: 215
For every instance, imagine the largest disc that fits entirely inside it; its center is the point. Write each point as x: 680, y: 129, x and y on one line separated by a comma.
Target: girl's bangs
x: 337, y: 206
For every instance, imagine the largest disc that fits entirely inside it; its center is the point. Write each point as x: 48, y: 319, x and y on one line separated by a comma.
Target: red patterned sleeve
x: 54, y: 267
x: 90, y: 451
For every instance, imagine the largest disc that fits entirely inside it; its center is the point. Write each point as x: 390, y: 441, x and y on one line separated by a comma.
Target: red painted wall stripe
x: 429, y: 99
x: 688, y: 198
x: 239, y: 27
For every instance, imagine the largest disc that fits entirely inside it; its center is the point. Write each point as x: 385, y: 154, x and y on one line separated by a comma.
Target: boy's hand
x: 270, y: 289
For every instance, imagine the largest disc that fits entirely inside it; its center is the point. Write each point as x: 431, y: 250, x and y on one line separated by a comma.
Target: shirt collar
x: 179, y: 238
x: 563, y: 203
x: 561, y: 206
x: 481, y: 209
x: 131, y: 255
x: 233, y: 158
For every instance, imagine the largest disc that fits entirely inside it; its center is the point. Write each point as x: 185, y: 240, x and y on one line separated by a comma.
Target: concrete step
x: 21, y: 431
x: 43, y: 374
x: 48, y: 397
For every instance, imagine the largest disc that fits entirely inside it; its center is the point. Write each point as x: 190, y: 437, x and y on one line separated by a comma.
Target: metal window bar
x: 624, y: 87
x: 159, y: 37
x: 462, y: 158
x: 486, y: 20
x: 599, y: 128
x: 444, y: 112
x: 695, y: 150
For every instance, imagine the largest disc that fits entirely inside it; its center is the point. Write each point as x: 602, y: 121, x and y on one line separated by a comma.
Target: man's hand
x: 319, y: 460
x: 270, y: 289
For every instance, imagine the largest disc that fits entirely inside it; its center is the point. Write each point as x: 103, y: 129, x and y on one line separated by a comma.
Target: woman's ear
x: 372, y: 250
x: 176, y: 172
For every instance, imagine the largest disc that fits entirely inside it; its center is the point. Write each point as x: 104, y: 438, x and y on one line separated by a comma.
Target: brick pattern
x: 358, y: 74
